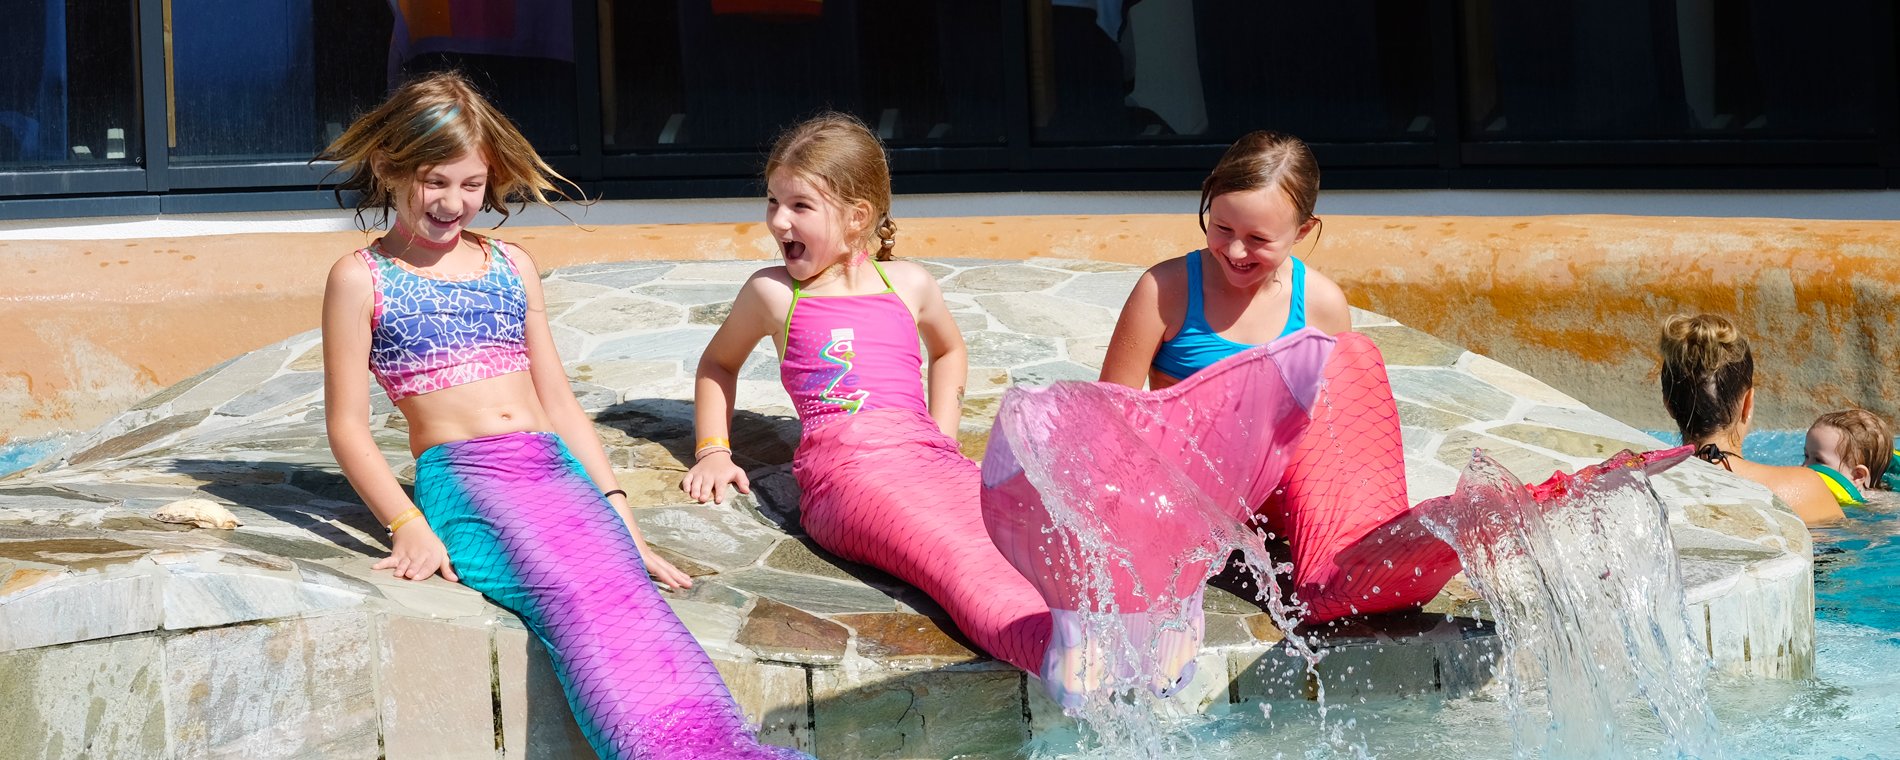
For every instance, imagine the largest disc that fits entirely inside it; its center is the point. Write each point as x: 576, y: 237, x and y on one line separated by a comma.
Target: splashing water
x: 1119, y: 505
x: 1582, y: 577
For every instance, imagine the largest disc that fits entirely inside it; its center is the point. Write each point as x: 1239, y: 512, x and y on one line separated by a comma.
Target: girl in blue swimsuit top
x: 1245, y: 288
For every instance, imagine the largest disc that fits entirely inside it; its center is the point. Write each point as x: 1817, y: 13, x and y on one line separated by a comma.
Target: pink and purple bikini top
x: 427, y: 333
x: 847, y: 354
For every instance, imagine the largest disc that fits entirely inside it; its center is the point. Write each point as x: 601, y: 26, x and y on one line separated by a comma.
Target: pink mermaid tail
x: 1357, y: 548
x: 886, y: 488
x: 1161, y: 483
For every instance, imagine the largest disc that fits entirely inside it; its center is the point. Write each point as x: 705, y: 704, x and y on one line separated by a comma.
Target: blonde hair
x: 1262, y: 159
x: 430, y: 121
x: 841, y: 157
x: 1706, y: 369
x: 1866, y: 440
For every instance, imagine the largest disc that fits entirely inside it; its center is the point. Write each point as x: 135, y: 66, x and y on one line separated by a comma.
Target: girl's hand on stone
x: 710, y: 476
x: 662, y: 570
x: 416, y: 553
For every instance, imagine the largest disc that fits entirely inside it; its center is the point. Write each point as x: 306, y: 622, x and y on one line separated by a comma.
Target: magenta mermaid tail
x: 525, y: 527
x: 1163, y: 480
x: 886, y: 488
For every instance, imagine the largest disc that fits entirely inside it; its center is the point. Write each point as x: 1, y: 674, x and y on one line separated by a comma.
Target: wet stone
x: 709, y: 314
x: 618, y: 313
x: 718, y: 536
x: 1049, y: 372
x: 276, y: 392
x: 1002, y: 349
x: 1450, y: 391
x: 783, y: 633
x: 79, y: 554
x: 684, y: 345
x: 95, y: 699
x: 1217, y: 599
x: 714, y: 592
x: 1006, y: 278
x: 1107, y: 290
x: 817, y: 595
x: 950, y: 713
x: 1563, y: 441
x: 41, y: 497
x: 1262, y: 628
x: 1226, y: 631
x: 1039, y: 314
x: 1406, y: 347
x: 132, y: 441
x: 901, y: 638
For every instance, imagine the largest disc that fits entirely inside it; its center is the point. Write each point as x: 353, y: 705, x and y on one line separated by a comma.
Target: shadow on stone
x: 292, y: 501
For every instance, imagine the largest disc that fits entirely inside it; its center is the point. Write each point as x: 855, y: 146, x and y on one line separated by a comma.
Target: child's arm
x: 949, y: 359
x: 716, y: 385
x: 1138, y: 333
x: 1326, y: 306
x: 571, y: 422
x: 348, y: 296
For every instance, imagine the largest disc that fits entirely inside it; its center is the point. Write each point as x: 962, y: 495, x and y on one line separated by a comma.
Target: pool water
x: 1849, y: 709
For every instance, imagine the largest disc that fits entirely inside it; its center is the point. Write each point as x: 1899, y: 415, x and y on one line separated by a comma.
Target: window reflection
x: 1636, y: 69
x: 268, y: 80
x: 68, y: 80
x: 1210, y: 70
x: 730, y: 74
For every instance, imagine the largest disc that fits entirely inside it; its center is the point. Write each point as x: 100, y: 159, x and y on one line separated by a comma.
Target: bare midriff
x: 497, y: 405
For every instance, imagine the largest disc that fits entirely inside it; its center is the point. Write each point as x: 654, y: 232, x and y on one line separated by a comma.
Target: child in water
x: 514, y: 495
x: 883, y: 482
x: 1853, y: 451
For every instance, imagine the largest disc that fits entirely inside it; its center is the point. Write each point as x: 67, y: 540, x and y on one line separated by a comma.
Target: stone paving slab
x: 827, y: 656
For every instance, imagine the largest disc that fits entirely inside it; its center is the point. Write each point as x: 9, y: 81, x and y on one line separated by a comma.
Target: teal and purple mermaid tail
x: 526, y: 527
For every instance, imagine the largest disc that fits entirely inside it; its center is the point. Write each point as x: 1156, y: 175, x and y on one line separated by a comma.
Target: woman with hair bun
x: 1708, y: 385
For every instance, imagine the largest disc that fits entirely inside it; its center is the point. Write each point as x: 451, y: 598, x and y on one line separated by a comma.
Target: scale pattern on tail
x: 525, y: 526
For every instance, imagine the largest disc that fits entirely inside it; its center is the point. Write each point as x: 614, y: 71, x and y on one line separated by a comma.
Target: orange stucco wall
x: 92, y: 326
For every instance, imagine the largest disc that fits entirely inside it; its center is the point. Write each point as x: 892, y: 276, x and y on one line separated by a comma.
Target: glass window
x: 730, y: 74
x: 1207, y: 71
x: 276, y: 80
x: 69, y: 84
x: 1637, y: 69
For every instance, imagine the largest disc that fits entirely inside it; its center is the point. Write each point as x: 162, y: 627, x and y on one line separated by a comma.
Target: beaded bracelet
x: 403, y: 519
x: 708, y: 450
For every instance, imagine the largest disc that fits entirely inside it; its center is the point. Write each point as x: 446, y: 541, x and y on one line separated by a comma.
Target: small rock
x: 202, y: 513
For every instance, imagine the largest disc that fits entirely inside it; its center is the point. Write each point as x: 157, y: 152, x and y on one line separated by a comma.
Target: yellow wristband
x: 713, y: 443
x: 403, y: 519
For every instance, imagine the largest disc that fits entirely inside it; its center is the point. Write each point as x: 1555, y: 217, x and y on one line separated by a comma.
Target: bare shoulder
x: 769, y: 282
x: 348, y: 273
x: 1326, y: 305
x: 1171, y: 274
x: 908, y: 276
x: 519, y: 257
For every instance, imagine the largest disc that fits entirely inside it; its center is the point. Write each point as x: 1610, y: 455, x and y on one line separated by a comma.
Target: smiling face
x: 813, y: 231
x: 443, y: 199
x: 1252, y: 232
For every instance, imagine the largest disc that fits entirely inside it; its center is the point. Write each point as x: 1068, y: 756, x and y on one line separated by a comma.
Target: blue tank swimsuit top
x: 1197, y: 346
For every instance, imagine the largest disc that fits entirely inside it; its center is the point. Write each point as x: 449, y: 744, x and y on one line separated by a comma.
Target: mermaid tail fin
x: 1344, y: 511
x: 1151, y: 486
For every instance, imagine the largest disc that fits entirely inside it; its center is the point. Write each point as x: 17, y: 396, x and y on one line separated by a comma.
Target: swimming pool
x: 1847, y: 710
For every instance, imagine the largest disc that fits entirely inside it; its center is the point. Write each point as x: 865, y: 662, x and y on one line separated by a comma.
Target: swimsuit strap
x: 798, y: 292
x: 1714, y: 454
x: 1196, y: 310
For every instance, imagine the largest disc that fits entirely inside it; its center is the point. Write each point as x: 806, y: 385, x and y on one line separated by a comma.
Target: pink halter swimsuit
x: 882, y: 485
